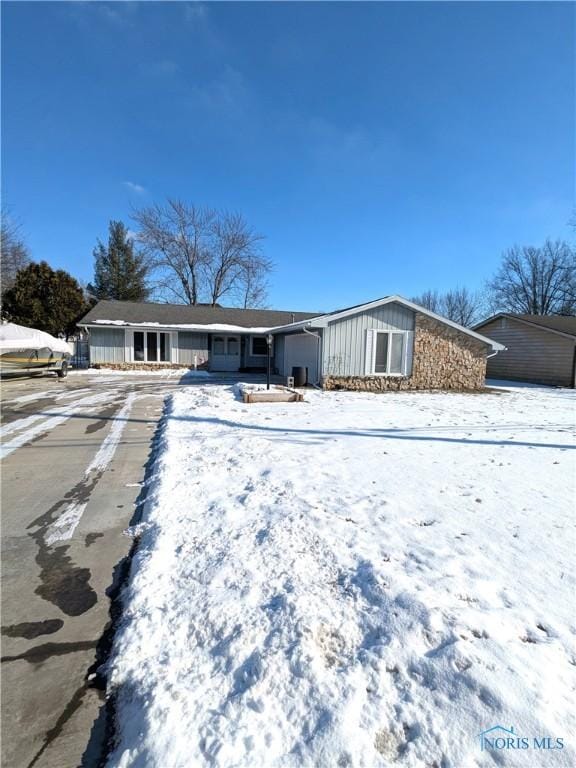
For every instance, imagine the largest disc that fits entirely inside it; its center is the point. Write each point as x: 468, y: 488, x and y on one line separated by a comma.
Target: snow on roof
x: 134, y: 315
x: 213, y: 327
x: 176, y: 315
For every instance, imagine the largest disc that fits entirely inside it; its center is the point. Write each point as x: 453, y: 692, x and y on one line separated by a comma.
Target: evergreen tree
x: 46, y: 299
x: 120, y: 272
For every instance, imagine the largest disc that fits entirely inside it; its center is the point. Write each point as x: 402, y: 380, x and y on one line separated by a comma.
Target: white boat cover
x: 14, y: 336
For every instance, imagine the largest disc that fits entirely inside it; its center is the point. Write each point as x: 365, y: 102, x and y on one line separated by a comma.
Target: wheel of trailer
x: 63, y: 370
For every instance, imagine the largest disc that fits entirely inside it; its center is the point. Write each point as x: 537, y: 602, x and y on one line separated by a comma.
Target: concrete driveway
x: 74, y: 463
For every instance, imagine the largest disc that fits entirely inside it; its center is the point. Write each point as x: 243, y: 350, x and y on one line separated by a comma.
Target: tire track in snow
x: 23, y: 399
x: 55, y: 416
x: 110, y: 442
x: 55, y: 394
x: 63, y: 528
x: 72, y: 393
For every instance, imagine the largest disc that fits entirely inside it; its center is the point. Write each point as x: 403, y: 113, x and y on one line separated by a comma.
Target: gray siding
x: 190, y: 344
x: 344, y: 347
x: 255, y: 361
x: 532, y: 354
x: 279, y: 354
x: 107, y: 345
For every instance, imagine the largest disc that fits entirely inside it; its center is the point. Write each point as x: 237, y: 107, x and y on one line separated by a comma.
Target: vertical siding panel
x: 333, y: 338
x: 352, y: 348
x: 340, y: 348
x: 190, y: 344
x: 532, y: 354
x: 279, y: 355
x: 332, y: 343
x: 356, y: 354
x: 107, y: 345
x: 328, y: 350
x: 345, y: 340
x: 349, y: 348
x: 359, y: 347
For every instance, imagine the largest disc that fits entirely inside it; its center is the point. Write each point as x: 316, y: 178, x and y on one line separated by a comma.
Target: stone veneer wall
x: 141, y: 366
x: 444, y: 358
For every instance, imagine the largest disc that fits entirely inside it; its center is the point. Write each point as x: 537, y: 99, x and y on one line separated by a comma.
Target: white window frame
x: 257, y: 354
x: 238, y: 340
x: 407, y: 340
x: 157, y: 361
x: 225, y: 338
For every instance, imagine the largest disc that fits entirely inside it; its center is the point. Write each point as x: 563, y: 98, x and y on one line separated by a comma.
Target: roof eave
x: 525, y: 322
x: 312, y: 322
x: 496, y: 346
x: 324, y: 320
x: 192, y: 327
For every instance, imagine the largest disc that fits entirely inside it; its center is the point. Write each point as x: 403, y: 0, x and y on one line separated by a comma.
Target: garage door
x: 302, y: 349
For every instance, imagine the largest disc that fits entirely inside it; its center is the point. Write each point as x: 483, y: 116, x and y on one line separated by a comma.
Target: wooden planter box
x: 272, y: 396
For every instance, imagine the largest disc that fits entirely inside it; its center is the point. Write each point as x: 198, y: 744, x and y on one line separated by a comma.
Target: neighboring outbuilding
x: 539, y: 348
x: 387, y: 344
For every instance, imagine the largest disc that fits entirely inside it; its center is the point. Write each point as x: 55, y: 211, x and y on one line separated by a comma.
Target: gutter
x: 318, y: 356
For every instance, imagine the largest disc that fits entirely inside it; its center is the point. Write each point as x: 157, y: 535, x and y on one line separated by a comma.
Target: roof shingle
x: 562, y: 323
x: 181, y: 314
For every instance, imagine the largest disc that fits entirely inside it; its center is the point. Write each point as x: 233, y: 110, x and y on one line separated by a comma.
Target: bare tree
x: 458, y: 304
x: 14, y: 253
x: 177, y: 238
x: 431, y: 300
x: 234, y: 249
x: 462, y: 306
x: 203, y: 255
x: 536, y: 281
x: 252, y: 284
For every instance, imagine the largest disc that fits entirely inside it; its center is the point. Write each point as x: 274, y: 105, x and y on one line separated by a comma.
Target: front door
x: 225, y: 353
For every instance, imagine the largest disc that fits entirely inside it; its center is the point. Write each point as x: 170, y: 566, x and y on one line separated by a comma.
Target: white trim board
x: 322, y: 321
x: 371, y: 351
x: 251, y: 352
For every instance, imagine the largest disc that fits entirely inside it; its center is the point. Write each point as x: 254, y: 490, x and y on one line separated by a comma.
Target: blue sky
x: 380, y: 147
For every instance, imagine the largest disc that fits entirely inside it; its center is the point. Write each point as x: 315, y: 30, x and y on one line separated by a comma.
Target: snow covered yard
x: 357, y: 580
x: 167, y: 373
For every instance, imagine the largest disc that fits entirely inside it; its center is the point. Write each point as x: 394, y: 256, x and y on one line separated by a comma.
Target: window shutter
x: 409, y: 353
x: 173, y: 336
x: 128, y: 346
x: 370, y: 353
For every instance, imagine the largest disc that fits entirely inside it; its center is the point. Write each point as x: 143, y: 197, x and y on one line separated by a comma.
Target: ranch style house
x: 387, y: 344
